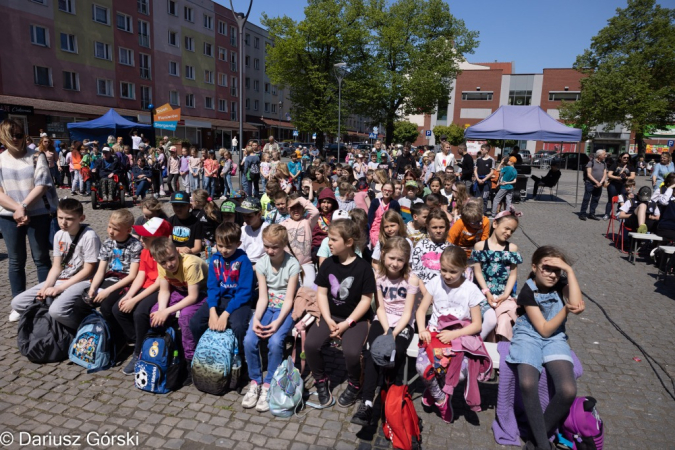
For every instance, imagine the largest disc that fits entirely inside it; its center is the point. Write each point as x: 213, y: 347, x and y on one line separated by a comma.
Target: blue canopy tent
x: 109, y: 124
x: 527, y: 123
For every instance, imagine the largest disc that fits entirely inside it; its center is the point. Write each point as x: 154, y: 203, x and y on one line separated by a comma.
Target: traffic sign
x: 295, y: 133
x: 428, y: 133
x: 314, y: 136
x: 671, y: 143
x: 375, y: 130
x: 372, y: 136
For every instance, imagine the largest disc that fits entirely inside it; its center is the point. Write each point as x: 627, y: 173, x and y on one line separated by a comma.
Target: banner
x: 167, y: 118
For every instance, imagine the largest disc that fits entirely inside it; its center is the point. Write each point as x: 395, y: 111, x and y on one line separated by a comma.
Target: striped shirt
x: 18, y: 177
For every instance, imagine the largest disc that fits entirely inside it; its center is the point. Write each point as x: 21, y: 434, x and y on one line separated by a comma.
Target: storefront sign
x: 16, y: 109
x: 167, y: 118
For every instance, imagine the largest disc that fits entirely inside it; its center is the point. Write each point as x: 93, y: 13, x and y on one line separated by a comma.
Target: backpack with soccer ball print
x: 160, y: 368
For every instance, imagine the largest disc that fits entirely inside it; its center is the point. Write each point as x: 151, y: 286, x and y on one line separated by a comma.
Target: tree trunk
x: 389, y: 127
x: 319, y: 144
x: 640, y: 142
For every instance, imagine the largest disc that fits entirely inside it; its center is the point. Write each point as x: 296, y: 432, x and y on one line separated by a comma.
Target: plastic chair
x: 612, y: 218
x: 550, y: 190
x: 623, y: 231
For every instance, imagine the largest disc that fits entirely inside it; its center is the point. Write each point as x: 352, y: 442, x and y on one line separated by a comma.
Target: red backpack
x: 401, y: 424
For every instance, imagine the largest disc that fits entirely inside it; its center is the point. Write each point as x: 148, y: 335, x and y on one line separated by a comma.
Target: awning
x: 279, y: 124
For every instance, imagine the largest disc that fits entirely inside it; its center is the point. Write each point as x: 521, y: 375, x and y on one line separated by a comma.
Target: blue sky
x: 535, y: 34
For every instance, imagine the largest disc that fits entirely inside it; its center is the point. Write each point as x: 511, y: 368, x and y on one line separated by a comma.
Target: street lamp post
x: 241, y: 20
x: 340, y: 71
x: 281, y: 104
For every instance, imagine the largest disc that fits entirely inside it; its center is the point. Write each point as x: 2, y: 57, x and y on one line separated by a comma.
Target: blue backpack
x: 93, y: 347
x: 285, y: 395
x: 160, y: 368
x: 212, y: 361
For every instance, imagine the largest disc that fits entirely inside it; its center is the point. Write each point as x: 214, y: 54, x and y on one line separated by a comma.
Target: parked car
x: 332, y: 149
x: 285, y: 148
x: 569, y: 160
x: 526, y: 155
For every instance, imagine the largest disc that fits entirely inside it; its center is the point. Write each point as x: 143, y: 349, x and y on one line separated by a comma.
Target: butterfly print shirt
x: 346, y: 284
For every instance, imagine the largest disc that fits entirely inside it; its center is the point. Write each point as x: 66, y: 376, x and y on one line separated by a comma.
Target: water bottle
x: 236, y: 369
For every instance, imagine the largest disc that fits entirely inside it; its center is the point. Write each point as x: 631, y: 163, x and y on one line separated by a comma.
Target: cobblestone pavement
x: 62, y: 399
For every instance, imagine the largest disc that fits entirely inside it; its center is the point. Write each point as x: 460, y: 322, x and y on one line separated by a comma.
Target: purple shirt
x: 184, y: 164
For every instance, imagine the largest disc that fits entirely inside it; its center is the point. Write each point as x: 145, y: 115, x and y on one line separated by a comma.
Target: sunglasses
x: 18, y: 136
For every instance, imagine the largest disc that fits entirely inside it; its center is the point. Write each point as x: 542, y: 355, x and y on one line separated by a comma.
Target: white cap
x: 340, y: 214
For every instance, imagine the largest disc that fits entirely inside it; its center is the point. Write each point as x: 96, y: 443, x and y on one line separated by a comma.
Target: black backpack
x: 42, y: 339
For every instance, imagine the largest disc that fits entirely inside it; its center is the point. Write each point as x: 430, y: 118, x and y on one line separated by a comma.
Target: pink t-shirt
x: 360, y: 200
x: 394, y: 293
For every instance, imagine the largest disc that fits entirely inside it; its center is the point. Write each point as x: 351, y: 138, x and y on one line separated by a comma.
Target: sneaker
x: 130, y: 368
x: 642, y: 228
x: 251, y: 397
x: 605, y: 217
x: 14, y: 316
x: 349, y: 395
x: 445, y: 409
x: 263, y: 404
x: 325, y: 397
x: 593, y: 217
x: 363, y: 416
x: 427, y: 398
x: 582, y: 217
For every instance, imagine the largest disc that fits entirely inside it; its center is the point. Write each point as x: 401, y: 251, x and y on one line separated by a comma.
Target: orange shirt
x: 466, y: 236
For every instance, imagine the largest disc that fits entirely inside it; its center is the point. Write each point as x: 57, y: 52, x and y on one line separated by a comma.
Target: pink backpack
x: 583, y: 426
x: 234, y: 169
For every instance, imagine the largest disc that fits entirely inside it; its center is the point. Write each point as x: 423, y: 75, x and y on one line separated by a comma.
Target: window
x: 267, y: 107
x: 222, y: 105
x: 67, y: 6
x: 174, y: 98
x: 143, y: 7
x: 208, y: 49
x: 102, y: 51
x: 233, y: 87
x: 144, y: 64
x: 247, y: 83
x: 127, y: 90
x: 274, y: 90
x: 208, y: 76
x: 267, y: 88
x: 189, y: 14
x: 144, y: 33
x: 100, y: 14
x: 222, y: 79
x: 42, y: 2
x: 233, y: 36
x: 189, y: 43
x: 222, y: 54
x: 233, y: 108
x: 173, y: 38
x: 247, y: 61
x: 173, y: 69
x: 126, y: 57
x: 208, y: 102
x: 233, y: 61
x: 104, y: 87
x: 208, y: 23
x: 520, y: 98
x: 274, y: 107
x: 256, y: 42
x: 39, y: 36
x: 190, y: 100
x: 248, y: 104
x: 222, y: 28
x: 256, y: 64
x: 471, y: 95
x: 171, y: 7
x: 568, y: 96
x: 247, y: 39
x: 256, y: 105
x: 146, y: 97
x: 71, y: 81
x: 42, y: 76
x: 189, y: 72
x: 124, y: 23
x: 68, y: 43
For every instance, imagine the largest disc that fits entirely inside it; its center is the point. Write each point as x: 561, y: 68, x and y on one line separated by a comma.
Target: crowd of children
x: 387, y: 258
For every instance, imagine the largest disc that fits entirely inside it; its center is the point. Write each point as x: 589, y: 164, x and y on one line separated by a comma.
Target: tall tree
x: 303, y: 57
x: 405, y: 131
x: 630, y: 80
x: 413, y: 53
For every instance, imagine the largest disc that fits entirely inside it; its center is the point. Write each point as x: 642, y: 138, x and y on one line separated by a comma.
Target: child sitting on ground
x: 277, y: 274
x: 472, y: 227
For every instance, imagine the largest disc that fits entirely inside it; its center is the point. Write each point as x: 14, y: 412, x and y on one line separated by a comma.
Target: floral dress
x: 496, y: 266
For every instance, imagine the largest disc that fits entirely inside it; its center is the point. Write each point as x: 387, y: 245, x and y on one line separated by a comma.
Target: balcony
x: 145, y: 73
x: 144, y: 40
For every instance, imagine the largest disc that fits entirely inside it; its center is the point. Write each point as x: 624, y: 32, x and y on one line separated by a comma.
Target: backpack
x: 93, y: 347
x: 285, y: 394
x: 160, y: 368
x: 254, y: 168
x: 401, y: 424
x: 234, y: 169
x: 42, y: 339
x: 583, y: 426
x: 212, y: 361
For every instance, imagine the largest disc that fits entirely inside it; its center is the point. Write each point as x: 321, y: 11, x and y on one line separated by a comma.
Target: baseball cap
x: 340, y: 214
x: 154, y: 227
x: 249, y: 205
x: 381, y: 350
x: 360, y: 155
x: 362, y: 185
x: 105, y: 148
x: 228, y: 207
x: 180, y: 197
x: 513, y: 159
x: 411, y: 183
x: 644, y: 194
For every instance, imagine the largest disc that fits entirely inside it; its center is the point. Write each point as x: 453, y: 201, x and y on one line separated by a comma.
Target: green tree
x: 406, y: 66
x: 405, y: 131
x: 630, y: 79
x: 303, y: 57
x: 454, y: 132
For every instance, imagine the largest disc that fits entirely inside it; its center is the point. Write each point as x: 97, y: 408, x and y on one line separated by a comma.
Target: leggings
x: 136, y: 324
x: 172, y: 181
x: 541, y: 423
x: 353, y: 340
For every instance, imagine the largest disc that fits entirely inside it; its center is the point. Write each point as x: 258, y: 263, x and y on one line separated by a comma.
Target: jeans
x: 275, y: 346
x: 592, y: 194
x: 194, y: 182
x: 264, y: 184
x: 252, y: 186
x: 210, y: 186
x: 87, y: 187
x: 185, y: 183
x: 484, y: 191
x: 612, y: 191
x: 229, y: 189
x: 56, y: 179
x: 37, y: 232
x: 142, y: 187
x: 77, y: 184
x: 643, y: 170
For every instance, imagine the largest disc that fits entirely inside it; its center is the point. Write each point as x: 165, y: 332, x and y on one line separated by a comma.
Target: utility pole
x: 340, y: 72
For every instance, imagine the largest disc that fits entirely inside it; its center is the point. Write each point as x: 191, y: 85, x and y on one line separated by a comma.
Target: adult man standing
x: 595, y: 175
x: 445, y: 158
x: 404, y: 159
x: 136, y: 141
x: 271, y: 145
x: 379, y: 150
x: 483, y: 173
x: 235, y: 142
x: 466, y: 164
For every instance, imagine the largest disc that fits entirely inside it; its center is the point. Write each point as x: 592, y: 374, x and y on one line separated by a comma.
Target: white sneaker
x: 14, y: 316
x: 251, y: 396
x: 263, y: 404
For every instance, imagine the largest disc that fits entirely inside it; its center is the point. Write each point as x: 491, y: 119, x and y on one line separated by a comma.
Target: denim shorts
x: 536, y: 351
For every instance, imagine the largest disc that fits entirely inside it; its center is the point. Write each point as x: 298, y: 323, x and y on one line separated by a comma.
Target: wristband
x: 350, y: 322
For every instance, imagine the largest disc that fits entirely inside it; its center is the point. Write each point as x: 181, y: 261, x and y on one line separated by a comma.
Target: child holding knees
x: 496, y: 272
x: 396, y: 292
x: 471, y: 227
x: 278, y: 279
x: 391, y: 225
x: 539, y: 341
x: 346, y: 285
x: 448, y: 294
x: 303, y: 218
